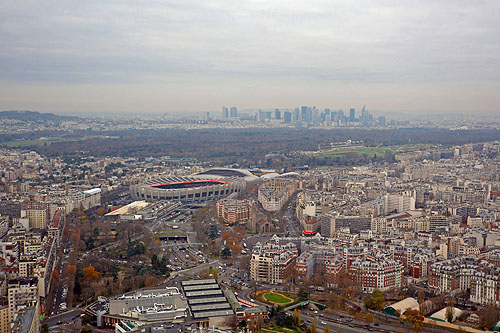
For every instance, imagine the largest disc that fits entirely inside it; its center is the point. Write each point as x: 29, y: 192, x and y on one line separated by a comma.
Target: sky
x: 151, y: 56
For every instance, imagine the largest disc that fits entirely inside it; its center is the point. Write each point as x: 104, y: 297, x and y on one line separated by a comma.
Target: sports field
x: 277, y: 298
x: 370, y: 151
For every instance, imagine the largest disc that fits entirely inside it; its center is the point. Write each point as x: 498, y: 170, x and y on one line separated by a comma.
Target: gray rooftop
x: 203, y: 293
x: 205, y: 307
x: 201, y: 287
x: 207, y: 300
x: 196, y: 282
x: 206, y: 314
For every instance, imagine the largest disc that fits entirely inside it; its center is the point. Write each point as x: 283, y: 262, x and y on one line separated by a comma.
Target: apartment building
x: 4, y: 319
x: 378, y: 272
x: 235, y: 211
x: 459, y: 274
x: 274, y: 193
x: 22, y: 293
x: 272, y: 263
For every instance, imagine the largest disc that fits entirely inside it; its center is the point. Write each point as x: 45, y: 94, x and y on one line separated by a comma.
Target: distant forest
x: 250, y: 146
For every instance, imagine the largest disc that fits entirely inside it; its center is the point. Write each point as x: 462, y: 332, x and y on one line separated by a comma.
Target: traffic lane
x: 63, y: 317
x: 379, y: 326
x: 342, y: 327
x: 337, y: 318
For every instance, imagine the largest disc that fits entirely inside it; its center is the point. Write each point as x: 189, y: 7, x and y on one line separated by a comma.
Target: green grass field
x: 370, y: 151
x: 30, y: 143
x: 277, y: 298
x: 47, y: 141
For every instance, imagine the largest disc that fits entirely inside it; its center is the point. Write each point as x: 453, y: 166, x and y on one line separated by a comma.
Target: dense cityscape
x: 255, y: 166
x: 181, y: 242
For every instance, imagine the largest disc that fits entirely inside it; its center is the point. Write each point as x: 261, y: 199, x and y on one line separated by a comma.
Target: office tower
x: 287, y: 117
x: 296, y: 115
x: 334, y: 116
x: 352, y: 115
x: 277, y: 114
x: 260, y: 116
x: 381, y: 121
x: 233, y: 112
x: 313, y: 114
x: 225, y: 112
x: 303, y: 113
x: 365, y: 116
x: 328, y: 119
x: 340, y: 115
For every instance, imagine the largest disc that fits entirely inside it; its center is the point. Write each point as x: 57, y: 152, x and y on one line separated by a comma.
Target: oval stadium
x: 207, y: 186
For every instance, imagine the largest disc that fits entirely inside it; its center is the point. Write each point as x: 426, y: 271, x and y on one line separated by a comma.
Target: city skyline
x: 161, y: 58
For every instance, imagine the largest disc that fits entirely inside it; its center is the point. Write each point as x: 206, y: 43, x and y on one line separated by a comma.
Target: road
x: 177, y: 276
x: 62, y: 317
x: 335, y: 327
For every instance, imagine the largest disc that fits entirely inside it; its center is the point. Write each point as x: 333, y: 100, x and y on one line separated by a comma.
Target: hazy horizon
x: 98, y: 57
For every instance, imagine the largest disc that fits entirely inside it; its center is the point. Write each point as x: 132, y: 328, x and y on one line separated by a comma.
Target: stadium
x: 210, y: 185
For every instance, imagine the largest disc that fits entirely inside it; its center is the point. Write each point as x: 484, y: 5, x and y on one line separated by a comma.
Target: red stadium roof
x: 192, y: 182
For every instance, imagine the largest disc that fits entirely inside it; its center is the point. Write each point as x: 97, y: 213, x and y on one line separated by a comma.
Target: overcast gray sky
x: 164, y: 56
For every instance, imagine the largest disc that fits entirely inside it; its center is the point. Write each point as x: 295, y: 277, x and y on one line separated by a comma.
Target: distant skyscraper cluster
x: 229, y: 113
x: 309, y: 116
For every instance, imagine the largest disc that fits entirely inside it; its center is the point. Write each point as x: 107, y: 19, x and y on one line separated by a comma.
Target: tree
x: 359, y: 316
x: 74, y: 239
x: 302, y: 295
x: 414, y: 318
x: 375, y: 301
x: 56, y: 274
x: 297, y: 317
x: 260, y: 322
x: 89, y: 273
x: 449, y: 314
x: 345, y: 283
x: 421, y: 298
x: 327, y: 329
x: 280, y: 317
x: 151, y: 281
x: 368, y: 318
x: 232, y: 322
x: 226, y: 252
x: 488, y: 317
x: 86, y: 320
x: 45, y: 328
x: 313, y: 326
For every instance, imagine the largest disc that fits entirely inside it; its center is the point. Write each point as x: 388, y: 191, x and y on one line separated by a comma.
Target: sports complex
x: 210, y: 185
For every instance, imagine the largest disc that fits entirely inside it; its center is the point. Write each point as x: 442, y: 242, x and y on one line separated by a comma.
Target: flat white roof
x: 131, y: 208
x: 92, y: 191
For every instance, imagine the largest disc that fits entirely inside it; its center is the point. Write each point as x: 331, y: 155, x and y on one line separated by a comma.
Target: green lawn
x: 371, y: 151
x: 29, y: 143
x: 48, y: 141
x: 277, y: 298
